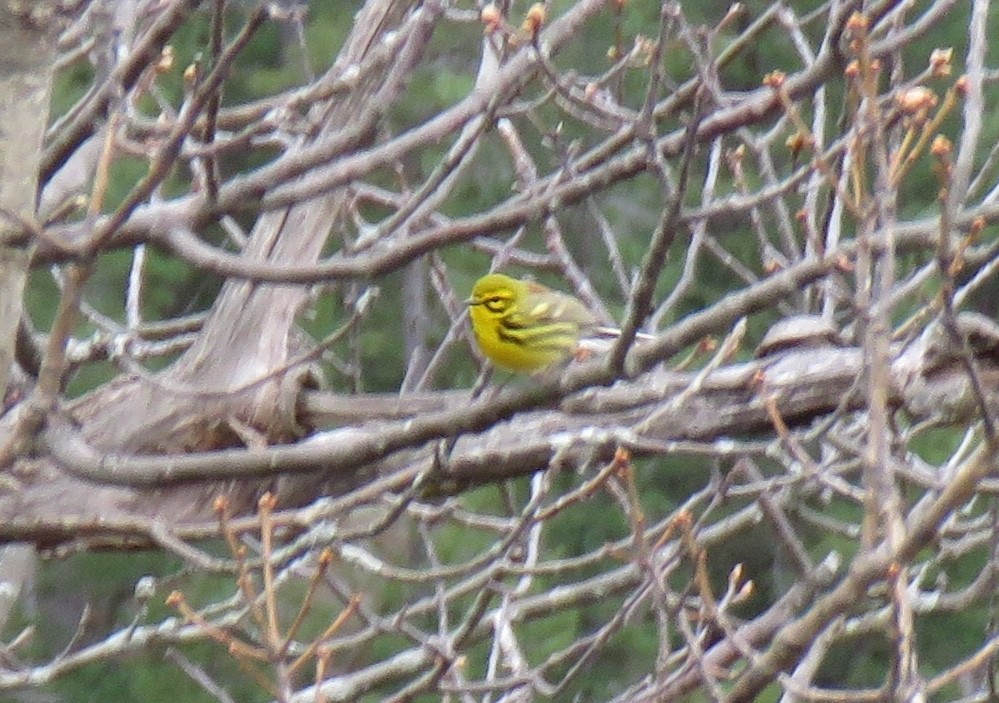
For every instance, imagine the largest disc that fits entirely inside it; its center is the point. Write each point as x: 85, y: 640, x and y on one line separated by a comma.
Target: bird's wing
x: 546, y: 305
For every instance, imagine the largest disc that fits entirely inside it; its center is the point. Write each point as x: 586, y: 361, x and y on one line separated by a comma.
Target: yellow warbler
x: 523, y: 326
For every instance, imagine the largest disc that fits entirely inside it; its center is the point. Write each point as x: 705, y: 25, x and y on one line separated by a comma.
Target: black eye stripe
x: 495, y: 304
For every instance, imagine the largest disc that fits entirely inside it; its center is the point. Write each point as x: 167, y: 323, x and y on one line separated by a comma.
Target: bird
x: 525, y: 327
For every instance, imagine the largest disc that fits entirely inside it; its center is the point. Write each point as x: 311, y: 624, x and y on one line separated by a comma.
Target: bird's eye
x: 496, y: 303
